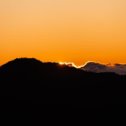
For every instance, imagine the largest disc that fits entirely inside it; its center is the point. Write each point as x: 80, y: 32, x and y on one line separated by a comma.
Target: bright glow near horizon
x: 69, y: 64
x: 63, y: 30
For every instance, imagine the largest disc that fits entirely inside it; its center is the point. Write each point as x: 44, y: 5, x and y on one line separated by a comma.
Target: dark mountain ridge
x: 51, y: 83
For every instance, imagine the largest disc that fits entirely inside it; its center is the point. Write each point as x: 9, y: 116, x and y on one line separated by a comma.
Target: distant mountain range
x: 101, y: 68
x: 54, y: 84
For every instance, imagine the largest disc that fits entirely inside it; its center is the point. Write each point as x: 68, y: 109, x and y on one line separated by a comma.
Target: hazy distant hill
x: 51, y: 83
x: 100, y: 68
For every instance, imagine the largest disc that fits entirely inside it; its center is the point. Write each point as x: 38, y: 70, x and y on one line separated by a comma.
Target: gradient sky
x: 63, y: 30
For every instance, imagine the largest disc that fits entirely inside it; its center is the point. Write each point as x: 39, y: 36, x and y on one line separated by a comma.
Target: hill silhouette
x: 101, y: 68
x: 50, y: 83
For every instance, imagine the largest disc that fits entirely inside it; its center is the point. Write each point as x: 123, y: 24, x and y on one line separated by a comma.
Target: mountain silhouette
x: 101, y: 68
x: 49, y: 83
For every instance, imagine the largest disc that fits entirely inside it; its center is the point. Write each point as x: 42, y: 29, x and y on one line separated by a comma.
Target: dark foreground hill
x: 50, y: 83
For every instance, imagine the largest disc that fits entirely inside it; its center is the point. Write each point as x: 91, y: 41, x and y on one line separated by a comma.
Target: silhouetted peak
x: 93, y: 64
x: 53, y: 83
x: 94, y: 67
x: 25, y: 60
x: 19, y: 63
x: 33, y: 65
x: 101, y: 68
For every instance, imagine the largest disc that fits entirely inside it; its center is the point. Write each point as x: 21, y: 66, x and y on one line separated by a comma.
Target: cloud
x: 100, y: 68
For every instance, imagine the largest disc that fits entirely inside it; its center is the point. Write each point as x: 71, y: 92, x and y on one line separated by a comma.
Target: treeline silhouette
x: 30, y: 80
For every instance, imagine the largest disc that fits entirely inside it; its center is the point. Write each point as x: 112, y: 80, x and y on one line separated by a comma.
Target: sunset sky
x: 63, y: 30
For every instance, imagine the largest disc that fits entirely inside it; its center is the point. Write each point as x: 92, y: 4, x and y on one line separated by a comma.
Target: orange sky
x: 63, y: 30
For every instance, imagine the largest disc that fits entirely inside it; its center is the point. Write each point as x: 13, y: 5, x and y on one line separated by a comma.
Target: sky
x: 63, y: 30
